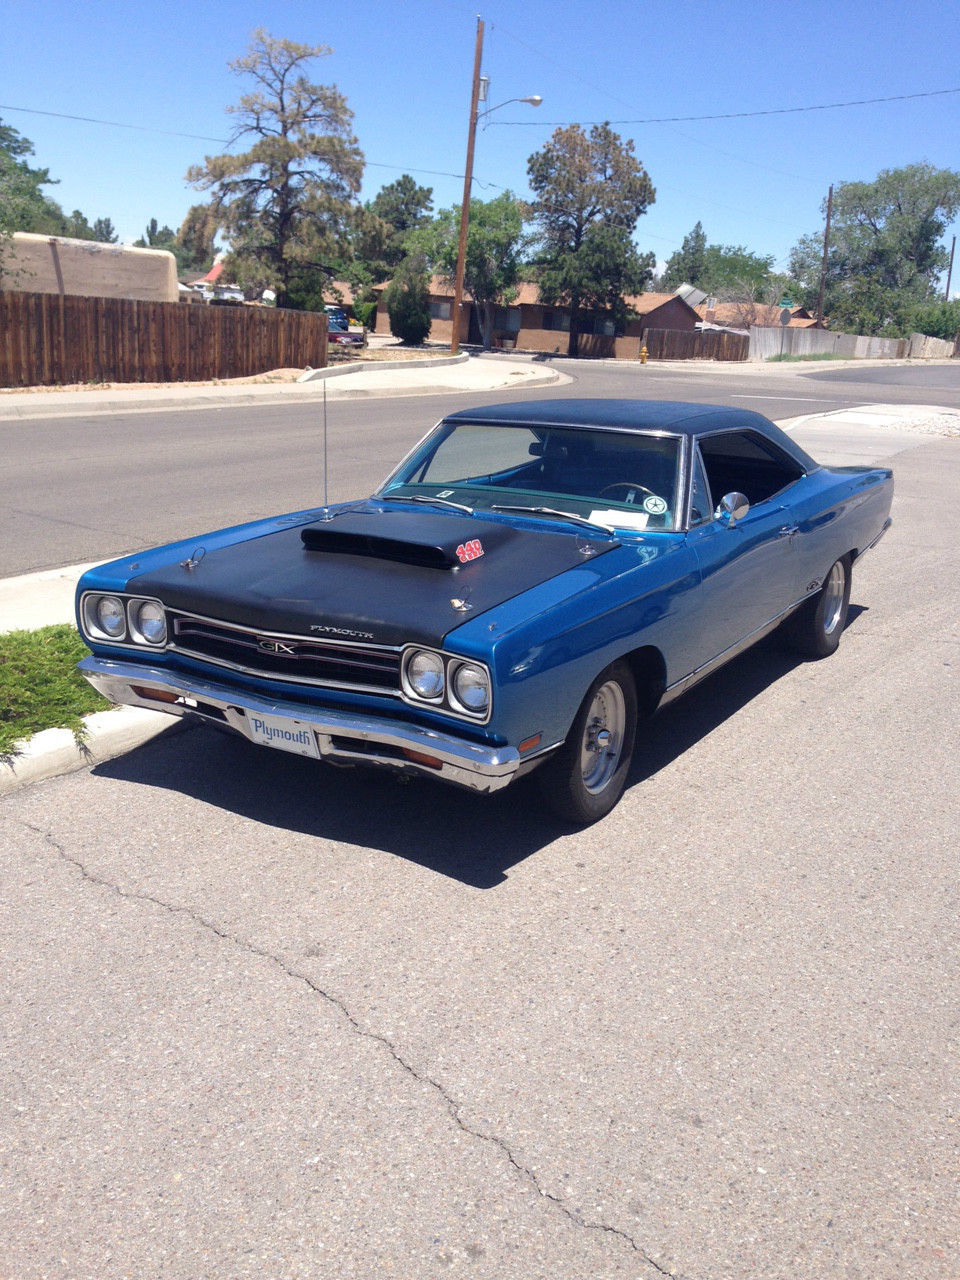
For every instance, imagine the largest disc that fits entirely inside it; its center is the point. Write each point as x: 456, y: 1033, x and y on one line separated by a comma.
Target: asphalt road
x: 264, y: 1019
x: 81, y: 489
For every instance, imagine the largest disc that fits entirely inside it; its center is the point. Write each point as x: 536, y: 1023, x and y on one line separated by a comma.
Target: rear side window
x: 743, y: 462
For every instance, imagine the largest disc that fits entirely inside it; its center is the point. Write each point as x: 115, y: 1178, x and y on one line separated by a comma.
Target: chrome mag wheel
x: 834, y: 598
x: 603, y: 734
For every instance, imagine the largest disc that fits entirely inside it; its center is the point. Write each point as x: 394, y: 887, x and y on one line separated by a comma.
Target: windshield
x: 621, y: 479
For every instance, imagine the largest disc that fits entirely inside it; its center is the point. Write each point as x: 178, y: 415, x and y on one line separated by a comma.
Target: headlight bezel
x: 447, y: 700
x: 132, y: 636
x: 456, y: 694
x: 408, y: 681
x: 136, y: 626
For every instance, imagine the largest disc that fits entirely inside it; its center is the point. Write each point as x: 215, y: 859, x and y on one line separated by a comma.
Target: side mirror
x: 733, y: 507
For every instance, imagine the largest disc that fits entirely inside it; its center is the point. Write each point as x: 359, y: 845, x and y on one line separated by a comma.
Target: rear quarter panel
x: 840, y: 510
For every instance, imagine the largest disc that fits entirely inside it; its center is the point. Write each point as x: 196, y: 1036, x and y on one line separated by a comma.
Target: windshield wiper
x: 551, y: 511
x: 422, y: 497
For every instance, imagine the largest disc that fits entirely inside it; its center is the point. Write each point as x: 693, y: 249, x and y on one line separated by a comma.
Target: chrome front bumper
x: 342, y: 737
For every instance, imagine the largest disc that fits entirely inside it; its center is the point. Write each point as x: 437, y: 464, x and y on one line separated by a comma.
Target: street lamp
x: 534, y: 101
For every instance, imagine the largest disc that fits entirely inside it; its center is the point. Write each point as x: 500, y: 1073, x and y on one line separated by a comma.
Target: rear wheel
x: 586, y: 777
x: 816, y: 627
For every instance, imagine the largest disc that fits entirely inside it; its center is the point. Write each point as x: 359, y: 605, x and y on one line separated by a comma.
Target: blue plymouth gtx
x: 530, y: 580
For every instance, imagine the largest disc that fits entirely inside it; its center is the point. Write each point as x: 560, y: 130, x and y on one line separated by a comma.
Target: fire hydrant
x: 643, y: 354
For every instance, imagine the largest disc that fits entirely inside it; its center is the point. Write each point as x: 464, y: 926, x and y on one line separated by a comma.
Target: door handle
x: 788, y: 530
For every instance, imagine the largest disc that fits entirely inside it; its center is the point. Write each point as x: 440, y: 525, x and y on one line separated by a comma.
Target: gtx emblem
x: 277, y: 646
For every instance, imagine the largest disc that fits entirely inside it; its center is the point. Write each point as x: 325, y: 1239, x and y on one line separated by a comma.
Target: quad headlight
x: 148, y: 621
x: 111, y: 617
x: 446, y: 682
x: 123, y: 619
x: 425, y: 676
x: 471, y: 687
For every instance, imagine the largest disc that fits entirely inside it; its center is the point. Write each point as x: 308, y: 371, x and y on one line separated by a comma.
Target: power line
x: 116, y: 124
x: 736, y: 115
x: 203, y: 137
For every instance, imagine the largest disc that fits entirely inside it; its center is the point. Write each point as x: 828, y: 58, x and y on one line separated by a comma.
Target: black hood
x: 387, y: 577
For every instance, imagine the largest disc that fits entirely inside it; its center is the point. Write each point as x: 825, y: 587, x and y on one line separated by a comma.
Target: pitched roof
x: 765, y: 315
x: 644, y: 303
x: 527, y: 293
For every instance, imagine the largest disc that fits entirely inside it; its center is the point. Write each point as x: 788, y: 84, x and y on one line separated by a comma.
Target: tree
x: 23, y: 204
x: 77, y: 227
x: 156, y: 237
x: 284, y: 203
x: 686, y: 265
x: 735, y: 274
x: 194, y: 240
x: 606, y: 267
x: 728, y: 272
x: 885, y: 252
x: 408, y: 302
x: 401, y: 207
x: 938, y: 319
x: 589, y: 191
x: 495, y: 247
x: 104, y: 231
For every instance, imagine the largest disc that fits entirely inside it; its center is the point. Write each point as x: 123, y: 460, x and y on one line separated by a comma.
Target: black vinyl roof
x: 678, y: 417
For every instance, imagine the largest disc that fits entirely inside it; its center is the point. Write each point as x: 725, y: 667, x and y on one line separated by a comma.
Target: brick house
x: 530, y: 325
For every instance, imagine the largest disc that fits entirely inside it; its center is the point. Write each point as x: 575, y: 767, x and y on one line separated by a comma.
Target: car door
x: 748, y: 568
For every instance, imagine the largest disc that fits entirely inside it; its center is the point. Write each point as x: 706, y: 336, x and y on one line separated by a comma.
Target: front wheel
x: 586, y: 777
x: 816, y: 627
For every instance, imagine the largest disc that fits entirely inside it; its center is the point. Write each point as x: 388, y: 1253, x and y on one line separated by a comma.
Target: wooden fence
x: 47, y: 339
x: 666, y: 344
x: 698, y: 344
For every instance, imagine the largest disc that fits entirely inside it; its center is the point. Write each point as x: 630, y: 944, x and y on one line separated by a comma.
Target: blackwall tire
x: 585, y: 778
x: 816, y: 627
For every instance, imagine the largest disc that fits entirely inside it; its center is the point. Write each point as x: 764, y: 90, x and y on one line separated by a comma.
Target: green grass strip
x: 39, y: 684
x: 816, y: 355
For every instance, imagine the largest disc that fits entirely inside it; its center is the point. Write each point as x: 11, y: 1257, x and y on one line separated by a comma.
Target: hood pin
x: 194, y: 560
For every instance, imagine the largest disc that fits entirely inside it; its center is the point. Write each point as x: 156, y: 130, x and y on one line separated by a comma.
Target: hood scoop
x: 429, y: 541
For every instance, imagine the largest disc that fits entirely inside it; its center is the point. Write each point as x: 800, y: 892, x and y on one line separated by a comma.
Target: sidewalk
x: 41, y: 599
x: 438, y: 374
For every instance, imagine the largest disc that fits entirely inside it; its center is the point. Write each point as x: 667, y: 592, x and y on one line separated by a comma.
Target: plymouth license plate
x: 285, y: 735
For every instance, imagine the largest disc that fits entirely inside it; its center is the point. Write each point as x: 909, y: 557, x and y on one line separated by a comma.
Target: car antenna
x: 326, y: 509
x: 324, y: 442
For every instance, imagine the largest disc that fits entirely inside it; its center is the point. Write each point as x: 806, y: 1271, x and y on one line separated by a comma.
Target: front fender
x: 549, y: 644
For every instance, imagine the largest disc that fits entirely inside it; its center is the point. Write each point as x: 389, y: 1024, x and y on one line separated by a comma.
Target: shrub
x: 366, y: 313
x: 408, y: 303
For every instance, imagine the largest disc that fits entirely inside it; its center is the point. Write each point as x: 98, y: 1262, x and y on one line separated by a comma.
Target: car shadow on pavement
x: 471, y: 838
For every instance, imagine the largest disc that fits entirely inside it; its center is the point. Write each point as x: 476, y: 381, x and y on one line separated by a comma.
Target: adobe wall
x: 84, y: 268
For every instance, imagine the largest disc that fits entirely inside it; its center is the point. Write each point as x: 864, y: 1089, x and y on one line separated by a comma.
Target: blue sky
x: 405, y: 69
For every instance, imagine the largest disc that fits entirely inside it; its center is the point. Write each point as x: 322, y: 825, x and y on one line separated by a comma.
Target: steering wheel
x: 627, y: 484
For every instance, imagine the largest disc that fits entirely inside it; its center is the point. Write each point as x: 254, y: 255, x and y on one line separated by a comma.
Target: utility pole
x: 823, y: 269
x: 946, y: 292
x: 467, y: 185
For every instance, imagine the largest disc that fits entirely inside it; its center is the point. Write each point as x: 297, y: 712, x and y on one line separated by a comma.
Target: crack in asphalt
x: 453, y: 1107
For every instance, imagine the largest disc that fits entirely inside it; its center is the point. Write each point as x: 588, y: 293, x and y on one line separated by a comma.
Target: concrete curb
x: 442, y: 389
x: 107, y: 734
x: 86, y: 404
x: 381, y: 366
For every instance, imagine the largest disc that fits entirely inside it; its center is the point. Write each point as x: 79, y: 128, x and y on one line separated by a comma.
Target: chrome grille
x: 298, y: 659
